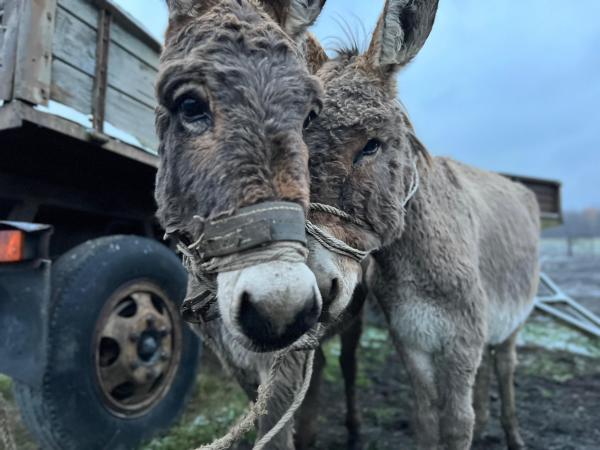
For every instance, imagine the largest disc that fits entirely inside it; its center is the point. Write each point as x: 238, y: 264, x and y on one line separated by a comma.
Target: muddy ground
x: 558, y: 397
x: 558, y: 392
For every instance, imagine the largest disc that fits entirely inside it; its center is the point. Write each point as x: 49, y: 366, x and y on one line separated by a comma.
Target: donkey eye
x: 311, y: 117
x: 372, y: 147
x: 193, y: 109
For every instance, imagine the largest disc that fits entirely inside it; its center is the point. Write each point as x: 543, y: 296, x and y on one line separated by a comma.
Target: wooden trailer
x: 90, y: 329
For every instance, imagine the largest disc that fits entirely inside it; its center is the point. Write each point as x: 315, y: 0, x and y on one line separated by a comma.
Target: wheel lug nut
x: 163, y: 331
x: 133, y: 337
x: 134, y: 365
x: 150, y: 321
x: 164, y: 356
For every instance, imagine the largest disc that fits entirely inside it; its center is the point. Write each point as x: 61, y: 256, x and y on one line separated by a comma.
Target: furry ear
x: 401, y: 32
x: 315, y: 54
x: 302, y: 14
x: 294, y: 16
x: 189, y: 8
x: 181, y: 11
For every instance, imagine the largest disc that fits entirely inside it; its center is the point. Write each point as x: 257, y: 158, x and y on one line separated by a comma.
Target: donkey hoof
x: 517, y: 445
x: 354, y: 442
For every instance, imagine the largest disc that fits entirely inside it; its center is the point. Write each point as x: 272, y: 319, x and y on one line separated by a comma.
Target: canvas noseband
x: 252, y: 227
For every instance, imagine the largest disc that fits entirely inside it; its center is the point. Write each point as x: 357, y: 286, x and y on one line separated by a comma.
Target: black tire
x: 68, y: 411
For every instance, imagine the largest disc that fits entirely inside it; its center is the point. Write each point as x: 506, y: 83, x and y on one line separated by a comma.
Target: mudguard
x: 24, y: 305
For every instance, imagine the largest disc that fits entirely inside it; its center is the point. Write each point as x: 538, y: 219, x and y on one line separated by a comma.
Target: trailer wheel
x: 120, y: 362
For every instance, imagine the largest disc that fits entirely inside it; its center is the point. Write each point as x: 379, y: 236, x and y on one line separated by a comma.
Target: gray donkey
x: 234, y: 94
x: 455, y: 248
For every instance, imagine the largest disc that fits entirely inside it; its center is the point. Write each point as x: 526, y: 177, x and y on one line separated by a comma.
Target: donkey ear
x: 181, y: 11
x: 182, y: 8
x: 401, y: 32
x: 302, y: 14
x: 294, y: 16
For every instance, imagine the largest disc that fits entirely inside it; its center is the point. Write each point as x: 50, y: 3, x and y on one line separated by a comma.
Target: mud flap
x: 24, y: 306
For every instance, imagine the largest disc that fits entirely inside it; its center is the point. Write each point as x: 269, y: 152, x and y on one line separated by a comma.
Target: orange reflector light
x: 11, y: 245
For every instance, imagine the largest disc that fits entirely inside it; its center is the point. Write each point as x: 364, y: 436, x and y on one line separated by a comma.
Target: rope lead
x: 259, y: 408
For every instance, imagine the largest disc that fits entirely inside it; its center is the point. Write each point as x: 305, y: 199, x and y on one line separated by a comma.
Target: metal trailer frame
x: 564, y: 308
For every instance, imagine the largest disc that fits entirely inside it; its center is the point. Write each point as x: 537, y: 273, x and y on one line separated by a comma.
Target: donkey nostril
x: 261, y: 330
x: 253, y: 323
x: 332, y: 292
x: 244, y: 298
x: 313, y: 312
x: 335, y: 289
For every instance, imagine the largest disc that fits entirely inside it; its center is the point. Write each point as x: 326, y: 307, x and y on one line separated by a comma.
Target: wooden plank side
x: 130, y: 100
x: 9, y: 30
x: 101, y: 73
x: 71, y: 87
x: 83, y: 9
x: 74, y: 42
x: 548, y: 194
x: 121, y: 32
x: 131, y: 116
x: 67, y: 127
x: 122, y: 37
x: 131, y: 24
x: 131, y: 76
x: 34, y: 51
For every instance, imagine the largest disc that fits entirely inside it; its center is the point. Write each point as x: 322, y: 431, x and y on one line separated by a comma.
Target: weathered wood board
x: 132, y: 67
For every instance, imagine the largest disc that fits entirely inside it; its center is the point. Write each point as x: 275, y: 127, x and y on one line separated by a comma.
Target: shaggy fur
x: 252, y: 76
x: 259, y: 92
x: 251, y: 369
x: 234, y: 92
x: 458, y: 269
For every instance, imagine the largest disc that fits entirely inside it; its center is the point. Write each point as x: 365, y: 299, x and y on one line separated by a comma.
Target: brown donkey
x: 455, y: 248
x: 233, y: 185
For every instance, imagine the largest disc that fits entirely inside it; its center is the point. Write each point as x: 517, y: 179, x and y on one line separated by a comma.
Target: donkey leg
x: 481, y: 395
x: 306, y: 417
x: 456, y: 371
x: 505, y: 359
x: 350, y: 340
x: 420, y: 368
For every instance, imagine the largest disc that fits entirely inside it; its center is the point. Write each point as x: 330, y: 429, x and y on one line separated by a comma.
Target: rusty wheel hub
x: 137, y: 348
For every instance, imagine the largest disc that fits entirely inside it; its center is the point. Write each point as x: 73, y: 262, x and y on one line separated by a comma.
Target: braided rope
x: 292, y: 252
x: 298, y: 399
x: 332, y: 210
x: 414, y: 185
x: 333, y: 244
x: 259, y: 408
x: 6, y: 436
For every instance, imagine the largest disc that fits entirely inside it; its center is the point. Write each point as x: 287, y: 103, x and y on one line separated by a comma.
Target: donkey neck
x: 436, y: 227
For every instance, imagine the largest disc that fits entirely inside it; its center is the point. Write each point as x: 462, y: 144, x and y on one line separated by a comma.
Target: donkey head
x: 363, y: 149
x: 234, y: 92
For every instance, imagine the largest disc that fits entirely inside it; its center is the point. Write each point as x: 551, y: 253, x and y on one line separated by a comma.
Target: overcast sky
x: 502, y: 85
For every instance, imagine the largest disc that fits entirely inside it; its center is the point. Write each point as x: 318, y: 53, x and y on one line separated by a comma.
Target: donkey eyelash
x: 372, y: 147
x: 186, y: 90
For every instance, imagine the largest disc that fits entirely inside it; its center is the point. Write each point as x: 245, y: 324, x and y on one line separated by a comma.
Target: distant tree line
x: 577, y: 224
